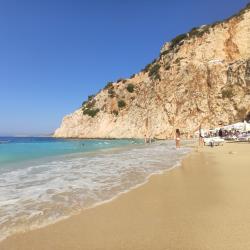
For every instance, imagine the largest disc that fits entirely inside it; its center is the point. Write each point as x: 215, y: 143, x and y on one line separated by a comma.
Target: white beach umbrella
x: 229, y: 127
x: 246, y: 126
x: 242, y: 126
x: 239, y: 126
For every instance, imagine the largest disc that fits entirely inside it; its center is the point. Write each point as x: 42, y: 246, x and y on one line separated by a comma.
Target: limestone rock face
x: 202, y: 77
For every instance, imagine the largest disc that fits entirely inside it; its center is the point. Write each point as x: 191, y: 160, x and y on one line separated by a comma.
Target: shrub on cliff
x: 115, y: 112
x: 157, y: 76
x: 227, y: 93
x: 148, y: 66
x: 120, y: 79
x: 121, y: 103
x: 111, y: 93
x: 109, y: 85
x: 91, y: 112
x: 177, y: 40
x: 84, y: 103
x: 130, y: 88
x: 198, y: 32
x: 154, y: 71
x: 90, y: 97
x: 165, y: 52
x: 90, y: 104
x: 167, y: 66
x: 239, y: 13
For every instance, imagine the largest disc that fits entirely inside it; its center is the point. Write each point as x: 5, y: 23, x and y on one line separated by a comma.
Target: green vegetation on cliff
x: 91, y: 112
x: 130, y: 88
x: 227, y: 93
x: 121, y: 103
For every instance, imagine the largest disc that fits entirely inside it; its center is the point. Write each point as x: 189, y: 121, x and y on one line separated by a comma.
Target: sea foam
x: 44, y: 193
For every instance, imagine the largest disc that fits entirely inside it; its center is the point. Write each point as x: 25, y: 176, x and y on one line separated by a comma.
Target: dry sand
x: 204, y: 204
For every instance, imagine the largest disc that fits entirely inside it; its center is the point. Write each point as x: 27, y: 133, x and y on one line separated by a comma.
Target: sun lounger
x: 213, y: 141
x: 244, y: 138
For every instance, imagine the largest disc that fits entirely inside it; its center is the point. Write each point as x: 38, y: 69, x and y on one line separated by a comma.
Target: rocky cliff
x: 201, y: 77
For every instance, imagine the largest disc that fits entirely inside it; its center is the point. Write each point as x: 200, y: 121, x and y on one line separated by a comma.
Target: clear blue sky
x: 53, y: 54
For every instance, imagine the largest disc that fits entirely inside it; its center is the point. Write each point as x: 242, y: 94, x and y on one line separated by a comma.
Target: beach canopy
x: 241, y: 126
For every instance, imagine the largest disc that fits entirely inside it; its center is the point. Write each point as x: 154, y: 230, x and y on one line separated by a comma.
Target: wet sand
x: 204, y: 204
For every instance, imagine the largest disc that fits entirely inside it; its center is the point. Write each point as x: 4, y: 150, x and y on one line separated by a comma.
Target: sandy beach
x: 203, y: 204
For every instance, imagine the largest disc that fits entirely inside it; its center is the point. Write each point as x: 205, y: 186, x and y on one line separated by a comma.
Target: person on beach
x: 177, y: 138
x: 201, y: 136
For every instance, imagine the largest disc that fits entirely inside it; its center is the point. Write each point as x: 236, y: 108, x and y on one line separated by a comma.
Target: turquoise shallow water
x: 43, y: 180
x: 21, y: 149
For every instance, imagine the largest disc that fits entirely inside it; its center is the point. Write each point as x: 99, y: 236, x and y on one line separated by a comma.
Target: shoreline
x: 125, y: 206
x: 48, y: 222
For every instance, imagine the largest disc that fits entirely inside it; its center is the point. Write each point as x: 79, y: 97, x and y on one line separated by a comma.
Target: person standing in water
x: 201, y: 136
x: 177, y: 138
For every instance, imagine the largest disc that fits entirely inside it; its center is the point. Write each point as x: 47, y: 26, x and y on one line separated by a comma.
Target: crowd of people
x: 228, y: 134
x: 219, y: 134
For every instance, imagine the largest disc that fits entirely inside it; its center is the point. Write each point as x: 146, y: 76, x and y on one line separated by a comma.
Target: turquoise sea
x: 24, y: 149
x: 43, y: 180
